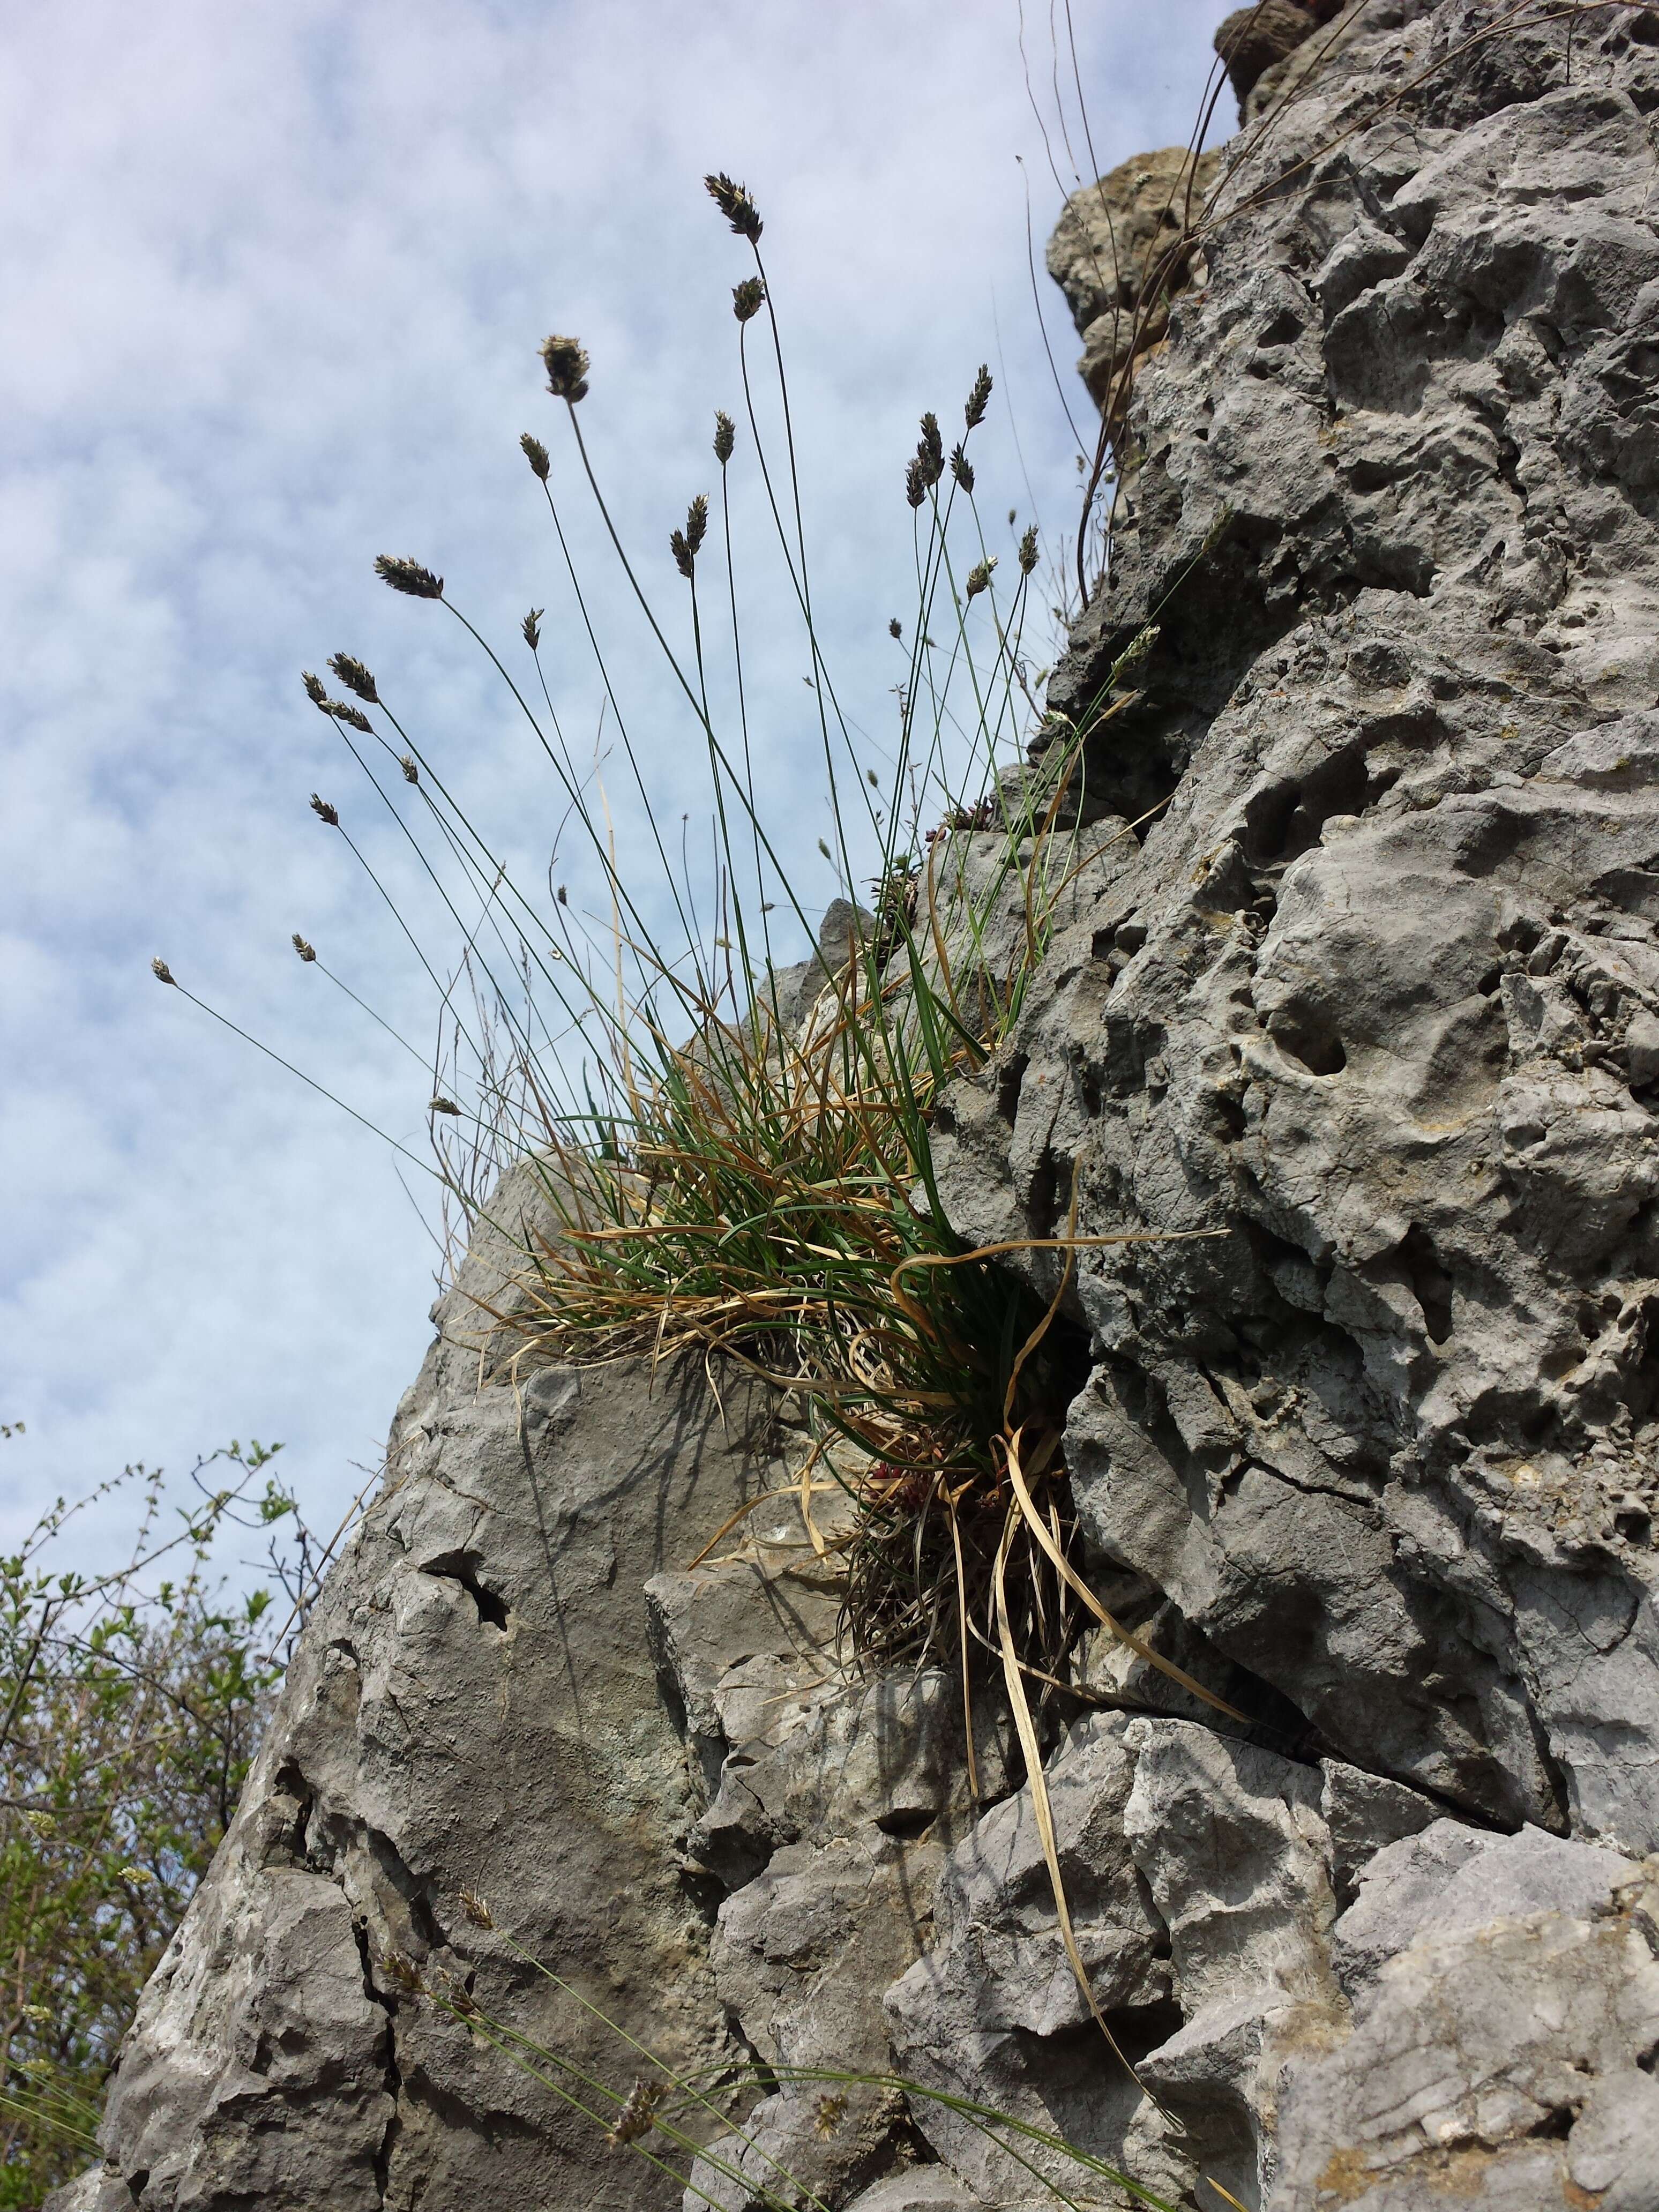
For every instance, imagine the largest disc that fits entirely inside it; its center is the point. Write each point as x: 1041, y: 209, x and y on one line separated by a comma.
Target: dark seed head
x: 343, y: 711
x: 355, y: 678
x: 735, y: 204
x: 931, y: 447
x: 747, y: 298
x: 978, y: 398
x: 566, y: 363
x: 916, y: 481
x: 444, y: 1106
x: 637, y: 2116
x: 685, y: 544
x: 725, y: 437
x: 827, y: 2115
x: 562, y: 895
x: 978, y: 577
x: 895, y: 627
x: 314, y: 690
x: 532, y: 627
x: 162, y: 973
x: 961, y: 468
x: 403, y: 1973
x: 412, y: 773
x: 536, y: 453
x: 409, y: 577
x: 324, y: 813
x: 307, y: 952
x: 1028, y: 551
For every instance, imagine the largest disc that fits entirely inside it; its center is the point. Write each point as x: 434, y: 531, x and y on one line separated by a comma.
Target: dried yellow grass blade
x: 963, y: 1643
x: 1068, y: 1573
x: 1040, y: 1244
x: 1042, y: 1809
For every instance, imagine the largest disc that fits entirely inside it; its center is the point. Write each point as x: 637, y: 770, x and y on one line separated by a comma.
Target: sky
x: 274, y: 277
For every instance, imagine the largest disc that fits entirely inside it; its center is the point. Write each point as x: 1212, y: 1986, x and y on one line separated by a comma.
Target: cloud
x: 276, y: 275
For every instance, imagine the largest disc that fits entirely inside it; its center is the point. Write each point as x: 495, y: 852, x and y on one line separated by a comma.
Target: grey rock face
x: 1373, y: 1002
x: 1115, y: 253
x: 474, y: 1705
x: 1451, y: 1877
x: 1200, y: 1877
x: 993, y: 2013
x: 1494, y: 2065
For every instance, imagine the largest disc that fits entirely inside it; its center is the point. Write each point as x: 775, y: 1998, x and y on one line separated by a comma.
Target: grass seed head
x: 408, y: 577
x: 566, y: 363
x: 979, y: 576
x: 323, y: 811
x: 931, y: 449
x: 685, y: 544
x: 307, y: 952
x: 748, y: 298
x: 916, y: 481
x: 895, y: 627
x: 536, y: 453
x: 828, y: 2114
x: 343, y: 711
x: 477, y: 1909
x: 532, y: 627
x: 314, y: 690
x: 638, y: 2115
x: 355, y: 678
x: 562, y: 895
x: 725, y: 437
x: 162, y: 973
x: 443, y: 1105
x: 412, y: 773
x: 735, y: 204
x: 1028, y: 551
x: 962, y: 468
x: 978, y: 398
x: 403, y: 1974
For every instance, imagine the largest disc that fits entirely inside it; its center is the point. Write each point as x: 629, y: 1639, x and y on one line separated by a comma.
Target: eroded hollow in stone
x: 462, y: 1567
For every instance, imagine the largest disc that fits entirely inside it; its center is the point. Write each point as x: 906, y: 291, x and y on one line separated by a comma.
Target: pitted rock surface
x: 1375, y: 1001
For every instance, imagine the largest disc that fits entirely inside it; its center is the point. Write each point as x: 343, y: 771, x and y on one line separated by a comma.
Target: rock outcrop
x: 1120, y: 253
x: 1374, y: 995
x: 1255, y: 43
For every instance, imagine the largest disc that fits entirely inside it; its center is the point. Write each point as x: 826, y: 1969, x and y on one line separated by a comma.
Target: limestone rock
x: 1371, y: 999
x: 1119, y: 255
x: 1451, y: 1877
x: 1495, y: 2066
x: 1255, y: 43
x: 993, y: 2013
x: 1199, y: 1874
x: 473, y: 1705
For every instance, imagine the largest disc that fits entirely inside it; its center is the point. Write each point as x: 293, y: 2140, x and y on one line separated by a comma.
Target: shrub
x: 131, y: 1706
